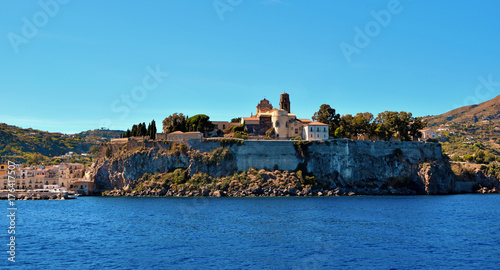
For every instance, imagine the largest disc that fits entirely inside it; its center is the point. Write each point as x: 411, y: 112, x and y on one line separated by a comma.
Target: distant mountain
x: 486, y: 111
x: 20, y: 144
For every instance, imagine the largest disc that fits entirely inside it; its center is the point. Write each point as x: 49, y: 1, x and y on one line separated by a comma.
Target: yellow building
x: 284, y: 123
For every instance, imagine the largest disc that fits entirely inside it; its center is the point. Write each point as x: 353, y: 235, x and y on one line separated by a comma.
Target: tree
x: 416, y: 125
x: 236, y: 120
x: 94, y: 149
x: 36, y: 158
x: 327, y: 115
x: 133, y: 133
x: 143, y: 131
x: 152, y: 130
x: 400, y: 124
x: 346, y: 125
x: 175, y: 122
x: 362, y: 124
x: 199, y: 122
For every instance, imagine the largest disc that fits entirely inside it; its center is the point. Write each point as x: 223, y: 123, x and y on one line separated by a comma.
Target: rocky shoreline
x: 37, y: 196
x: 274, y: 192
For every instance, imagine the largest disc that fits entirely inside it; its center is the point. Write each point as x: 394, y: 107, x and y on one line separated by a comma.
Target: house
x: 428, y: 134
x: 83, y: 186
x: 315, y: 131
x: 222, y: 125
x: 183, y: 137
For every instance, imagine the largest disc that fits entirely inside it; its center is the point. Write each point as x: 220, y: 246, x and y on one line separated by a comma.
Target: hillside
x: 21, y: 145
x: 470, y: 131
x: 473, y: 114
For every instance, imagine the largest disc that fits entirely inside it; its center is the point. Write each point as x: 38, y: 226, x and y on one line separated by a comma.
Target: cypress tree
x: 153, y: 130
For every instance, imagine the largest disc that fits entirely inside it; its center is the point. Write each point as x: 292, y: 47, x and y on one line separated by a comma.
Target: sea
x: 361, y: 232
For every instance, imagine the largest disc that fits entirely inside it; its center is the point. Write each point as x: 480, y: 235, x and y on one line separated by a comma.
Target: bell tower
x: 285, y: 102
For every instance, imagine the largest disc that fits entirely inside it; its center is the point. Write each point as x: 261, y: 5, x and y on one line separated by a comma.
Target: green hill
x: 21, y: 145
x: 470, y: 130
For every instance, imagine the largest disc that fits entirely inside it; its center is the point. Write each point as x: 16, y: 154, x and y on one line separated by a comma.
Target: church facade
x: 285, y: 124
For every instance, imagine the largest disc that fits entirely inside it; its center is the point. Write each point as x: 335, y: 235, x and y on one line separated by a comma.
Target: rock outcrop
x: 352, y: 166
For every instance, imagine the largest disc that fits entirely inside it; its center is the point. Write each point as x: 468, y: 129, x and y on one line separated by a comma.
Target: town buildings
x: 68, y: 176
x: 283, y: 123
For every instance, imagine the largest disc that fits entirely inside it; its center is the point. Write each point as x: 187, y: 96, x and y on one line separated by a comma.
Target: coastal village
x: 63, y: 178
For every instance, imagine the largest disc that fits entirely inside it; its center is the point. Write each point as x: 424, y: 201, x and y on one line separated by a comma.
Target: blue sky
x: 69, y: 66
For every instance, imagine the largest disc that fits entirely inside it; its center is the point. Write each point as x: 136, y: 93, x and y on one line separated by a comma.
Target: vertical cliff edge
x: 417, y: 167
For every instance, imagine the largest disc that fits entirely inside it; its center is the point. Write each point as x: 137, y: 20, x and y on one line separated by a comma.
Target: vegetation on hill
x: 470, y: 133
x: 33, y: 146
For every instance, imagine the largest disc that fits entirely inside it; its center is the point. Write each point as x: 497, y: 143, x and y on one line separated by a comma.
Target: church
x: 284, y: 123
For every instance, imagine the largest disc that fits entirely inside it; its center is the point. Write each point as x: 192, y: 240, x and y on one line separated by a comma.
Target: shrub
x: 178, y: 176
x: 109, y: 152
x: 240, y: 135
x: 230, y: 142
x: 398, y: 152
x: 270, y: 133
x: 302, y: 148
x: 468, y: 158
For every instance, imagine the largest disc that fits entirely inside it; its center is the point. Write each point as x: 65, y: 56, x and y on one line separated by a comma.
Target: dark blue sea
x: 414, y: 232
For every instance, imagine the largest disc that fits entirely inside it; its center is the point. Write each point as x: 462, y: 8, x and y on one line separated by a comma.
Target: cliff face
x: 337, y: 163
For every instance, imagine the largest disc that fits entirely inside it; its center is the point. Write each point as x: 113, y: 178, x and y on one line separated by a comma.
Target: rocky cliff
x: 416, y: 167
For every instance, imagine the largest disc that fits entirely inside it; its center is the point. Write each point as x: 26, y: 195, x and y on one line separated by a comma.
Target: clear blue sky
x: 68, y: 67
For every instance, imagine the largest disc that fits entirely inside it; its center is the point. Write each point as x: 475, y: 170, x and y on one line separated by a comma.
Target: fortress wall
x: 266, y: 154
x: 338, y: 155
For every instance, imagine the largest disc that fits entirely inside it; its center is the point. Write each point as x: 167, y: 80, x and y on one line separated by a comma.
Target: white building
x: 428, y: 134
x: 315, y: 131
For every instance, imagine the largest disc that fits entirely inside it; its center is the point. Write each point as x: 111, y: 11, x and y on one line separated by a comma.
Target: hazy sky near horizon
x: 70, y: 66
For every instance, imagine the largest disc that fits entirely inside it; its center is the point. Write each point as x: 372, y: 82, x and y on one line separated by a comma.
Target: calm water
x: 421, y: 232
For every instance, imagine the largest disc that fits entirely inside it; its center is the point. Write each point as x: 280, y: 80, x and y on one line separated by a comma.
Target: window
x: 295, y: 124
x: 296, y: 131
x: 223, y: 126
x: 324, y: 129
x: 317, y: 129
x: 317, y: 135
x: 311, y: 129
x: 277, y: 123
